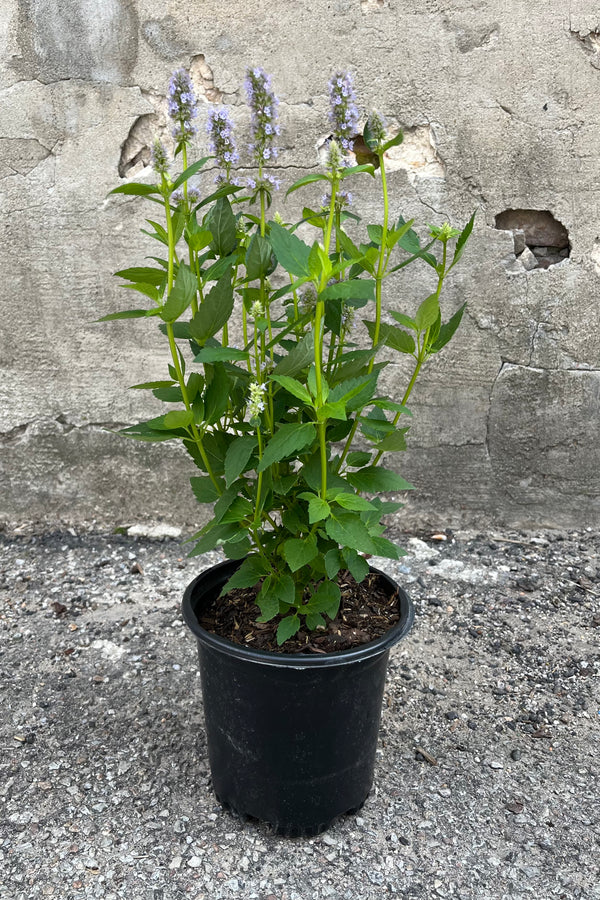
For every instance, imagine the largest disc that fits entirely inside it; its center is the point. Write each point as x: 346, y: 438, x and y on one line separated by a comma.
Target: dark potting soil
x: 367, y: 611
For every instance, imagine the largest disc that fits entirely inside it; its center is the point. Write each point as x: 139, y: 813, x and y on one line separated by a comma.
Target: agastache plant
x: 222, y: 142
x: 273, y: 426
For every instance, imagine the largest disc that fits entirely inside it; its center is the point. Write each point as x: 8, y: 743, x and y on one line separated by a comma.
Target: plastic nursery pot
x: 291, y: 738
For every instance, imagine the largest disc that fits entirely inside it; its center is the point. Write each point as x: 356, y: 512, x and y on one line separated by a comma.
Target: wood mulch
x: 367, y: 611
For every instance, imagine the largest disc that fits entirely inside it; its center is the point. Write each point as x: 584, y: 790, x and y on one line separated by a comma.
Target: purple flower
x: 343, y: 114
x: 222, y: 144
x: 182, y: 105
x: 263, y: 104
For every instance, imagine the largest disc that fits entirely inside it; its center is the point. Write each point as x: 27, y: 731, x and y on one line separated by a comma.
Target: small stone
x: 527, y: 260
x: 496, y: 764
x: 194, y: 862
x: 451, y: 715
x: 519, y: 241
x: 516, y: 755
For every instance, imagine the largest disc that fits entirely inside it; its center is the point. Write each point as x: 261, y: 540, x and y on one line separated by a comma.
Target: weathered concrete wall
x: 500, y: 109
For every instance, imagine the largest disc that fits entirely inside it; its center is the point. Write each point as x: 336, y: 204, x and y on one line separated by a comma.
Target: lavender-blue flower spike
x: 343, y: 114
x: 182, y: 105
x: 263, y: 104
x: 222, y: 143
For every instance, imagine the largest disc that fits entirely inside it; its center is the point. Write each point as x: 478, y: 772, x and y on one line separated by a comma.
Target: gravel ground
x: 487, y: 781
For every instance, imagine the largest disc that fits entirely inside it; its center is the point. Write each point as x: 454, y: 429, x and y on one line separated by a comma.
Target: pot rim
x: 297, y: 660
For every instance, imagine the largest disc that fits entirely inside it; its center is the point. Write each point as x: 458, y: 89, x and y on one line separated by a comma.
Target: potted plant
x: 275, y: 397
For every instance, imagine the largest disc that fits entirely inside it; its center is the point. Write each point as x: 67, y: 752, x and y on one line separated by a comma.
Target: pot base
x: 287, y: 830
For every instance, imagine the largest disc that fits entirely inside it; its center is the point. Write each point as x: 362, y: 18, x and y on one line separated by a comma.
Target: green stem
x: 382, y: 252
x: 188, y: 406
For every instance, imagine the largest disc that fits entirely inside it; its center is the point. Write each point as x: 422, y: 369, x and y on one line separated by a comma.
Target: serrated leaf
x: 333, y: 562
x: 190, y: 171
x: 288, y: 439
x: 258, y: 257
x: 394, y: 441
x: 375, y: 233
x: 249, y: 573
x: 136, y: 188
x: 217, y: 534
x: 143, y: 275
x: 318, y: 509
x: 314, y: 620
x: 335, y: 410
x: 356, y: 564
x: 204, y: 489
x: 353, y: 502
x: 386, y: 548
x: 427, y: 312
x: 239, y: 509
x: 287, y: 628
x: 292, y: 253
x: 406, y: 321
x: 462, y: 240
x: 299, y: 357
x: 220, y: 354
x: 358, y: 458
x: 238, y: 454
x: 326, y: 599
x: 178, y: 418
x: 299, y: 552
x: 130, y: 314
x: 184, y: 290
x: 150, y: 385
x: 293, y: 387
x: 221, y: 224
x: 169, y: 394
x: 306, y: 179
x: 356, y: 289
x: 216, y: 396
x: 373, y: 479
x: 198, y: 240
x: 214, y: 311
x: 348, y: 530
x: 447, y: 331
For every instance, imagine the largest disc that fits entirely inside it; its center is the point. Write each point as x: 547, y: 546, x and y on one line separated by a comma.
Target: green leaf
x: 151, y: 385
x: 221, y: 224
x: 349, y: 247
x: 386, y: 548
x: 204, y: 489
x: 326, y: 599
x: 356, y: 289
x: 198, y: 240
x: 317, y: 509
x: 406, y: 321
x: 306, y: 179
x: 214, y: 311
x: 267, y: 602
x: 220, y: 354
x: 239, y: 509
x: 288, y: 439
x: 335, y: 410
x: 357, y: 170
x: 392, y: 337
x: 217, y: 534
x: 291, y: 252
x: 349, y: 530
x: 169, y: 394
x: 427, y: 312
x: 249, y: 573
x: 333, y: 562
x: 353, y: 501
x: 184, y: 290
x: 375, y: 233
x: 216, y: 396
x: 356, y: 564
x: 393, y: 142
x: 258, y: 257
x: 191, y: 170
x: 130, y: 314
x: 299, y: 357
x: 148, y: 290
x: 143, y: 275
x: 293, y: 387
x: 462, y: 240
x: 136, y: 188
x: 396, y: 440
x: 358, y: 458
x: 299, y: 552
x: 287, y: 628
x: 314, y: 620
x: 237, y: 457
x: 447, y: 331
x: 374, y: 479
x: 179, y: 418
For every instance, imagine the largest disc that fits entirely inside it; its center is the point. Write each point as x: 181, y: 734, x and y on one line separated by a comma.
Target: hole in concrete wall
x: 135, y: 152
x: 540, y: 240
x: 416, y: 155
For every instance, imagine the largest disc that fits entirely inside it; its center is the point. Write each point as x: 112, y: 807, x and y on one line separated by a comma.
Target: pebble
x: 516, y: 755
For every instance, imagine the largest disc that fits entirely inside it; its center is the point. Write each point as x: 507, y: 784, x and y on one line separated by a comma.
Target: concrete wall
x: 499, y: 102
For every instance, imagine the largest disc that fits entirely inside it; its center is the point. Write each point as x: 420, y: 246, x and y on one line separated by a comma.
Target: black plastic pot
x: 291, y: 738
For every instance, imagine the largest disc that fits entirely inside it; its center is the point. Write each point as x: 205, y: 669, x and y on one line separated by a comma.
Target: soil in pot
x: 367, y: 611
